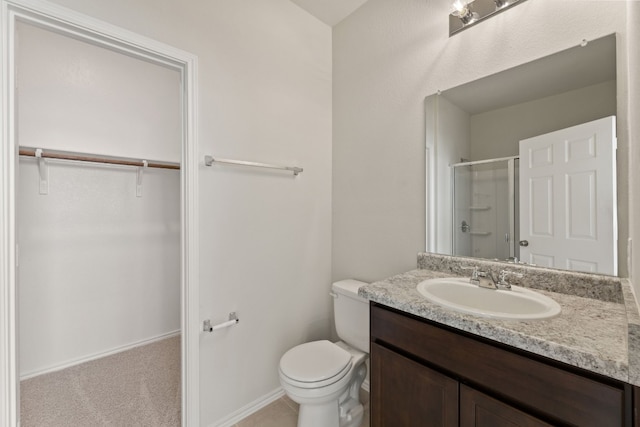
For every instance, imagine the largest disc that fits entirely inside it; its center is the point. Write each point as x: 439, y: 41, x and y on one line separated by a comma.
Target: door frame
x: 68, y: 22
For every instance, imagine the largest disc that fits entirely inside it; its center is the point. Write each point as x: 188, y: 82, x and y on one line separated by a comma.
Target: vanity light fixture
x: 465, y: 13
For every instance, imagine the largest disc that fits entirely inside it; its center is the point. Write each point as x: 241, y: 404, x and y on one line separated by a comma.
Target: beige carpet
x: 139, y: 387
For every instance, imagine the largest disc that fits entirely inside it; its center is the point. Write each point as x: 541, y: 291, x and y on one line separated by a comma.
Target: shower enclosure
x: 485, y: 208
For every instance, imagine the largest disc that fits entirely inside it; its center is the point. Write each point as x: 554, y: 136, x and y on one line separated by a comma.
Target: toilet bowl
x: 324, y: 378
x: 327, y: 387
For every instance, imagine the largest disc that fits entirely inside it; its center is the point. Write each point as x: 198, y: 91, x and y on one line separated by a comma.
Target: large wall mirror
x: 525, y: 165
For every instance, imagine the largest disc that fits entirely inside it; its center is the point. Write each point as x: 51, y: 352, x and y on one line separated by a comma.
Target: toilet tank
x: 351, y: 314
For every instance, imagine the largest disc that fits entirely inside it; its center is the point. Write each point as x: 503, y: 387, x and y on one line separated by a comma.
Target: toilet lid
x: 314, y: 361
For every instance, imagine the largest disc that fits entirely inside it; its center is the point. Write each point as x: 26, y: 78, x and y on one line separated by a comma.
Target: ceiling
x: 330, y: 11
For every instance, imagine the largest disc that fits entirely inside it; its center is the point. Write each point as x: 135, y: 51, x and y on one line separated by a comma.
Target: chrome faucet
x: 502, y: 278
x: 485, y: 279
x: 481, y: 278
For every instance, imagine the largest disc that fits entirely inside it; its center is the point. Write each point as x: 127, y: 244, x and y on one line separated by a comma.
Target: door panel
x: 581, y: 205
x: 568, y: 198
x: 541, y: 194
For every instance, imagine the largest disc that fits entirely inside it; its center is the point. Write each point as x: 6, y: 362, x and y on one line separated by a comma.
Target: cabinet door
x: 406, y: 394
x: 479, y: 410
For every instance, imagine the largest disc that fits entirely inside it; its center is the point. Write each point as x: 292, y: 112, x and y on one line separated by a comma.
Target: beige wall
x: 264, y: 95
x: 497, y: 133
x: 75, y: 96
x: 387, y: 57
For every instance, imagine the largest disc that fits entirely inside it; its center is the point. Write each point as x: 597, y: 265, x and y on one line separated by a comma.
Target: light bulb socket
x: 467, y: 13
x: 468, y: 17
x: 464, y: 13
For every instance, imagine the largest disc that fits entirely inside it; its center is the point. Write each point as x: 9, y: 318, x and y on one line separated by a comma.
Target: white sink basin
x: 460, y: 295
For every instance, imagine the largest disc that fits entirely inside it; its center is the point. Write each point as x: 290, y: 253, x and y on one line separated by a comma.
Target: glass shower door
x: 462, y: 202
x: 485, y: 209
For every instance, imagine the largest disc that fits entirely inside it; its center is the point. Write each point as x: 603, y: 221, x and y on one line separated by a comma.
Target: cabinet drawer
x: 537, y: 386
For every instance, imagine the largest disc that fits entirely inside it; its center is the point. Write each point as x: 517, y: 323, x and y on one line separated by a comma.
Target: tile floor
x: 284, y: 413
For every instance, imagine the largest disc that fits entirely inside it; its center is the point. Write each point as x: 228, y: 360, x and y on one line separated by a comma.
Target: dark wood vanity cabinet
x: 480, y: 410
x: 410, y: 394
x: 424, y: 374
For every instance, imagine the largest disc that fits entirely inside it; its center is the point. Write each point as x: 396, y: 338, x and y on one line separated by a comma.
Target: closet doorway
x: 99, y: 205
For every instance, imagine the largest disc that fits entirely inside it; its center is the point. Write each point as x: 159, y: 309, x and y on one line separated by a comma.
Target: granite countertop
x: 598, y: 332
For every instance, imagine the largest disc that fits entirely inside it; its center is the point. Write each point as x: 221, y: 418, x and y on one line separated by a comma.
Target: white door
x: 568, y: 216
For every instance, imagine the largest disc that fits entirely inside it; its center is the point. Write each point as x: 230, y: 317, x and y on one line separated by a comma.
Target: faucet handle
x: 474, y: 274
x: 502, y: 278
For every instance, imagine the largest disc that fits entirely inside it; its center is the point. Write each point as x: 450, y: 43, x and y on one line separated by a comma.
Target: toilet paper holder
x: 233, y: 319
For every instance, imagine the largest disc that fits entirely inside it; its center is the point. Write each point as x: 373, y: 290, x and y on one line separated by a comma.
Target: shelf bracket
x: 145, y: 164
x: 43, y: 170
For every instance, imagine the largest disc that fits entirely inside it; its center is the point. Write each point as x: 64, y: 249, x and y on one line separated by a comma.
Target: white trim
x: 98, y: 355
x: 190, y: 289
x: 9, y: 395
x: 69, y: 22
x: 249, y: 409
x: 430, y: 175
x: 259, y: 403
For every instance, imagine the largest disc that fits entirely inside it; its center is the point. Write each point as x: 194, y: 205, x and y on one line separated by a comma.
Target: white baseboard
x: 258, y: 404
x: 94, y: 356
x: 249, y: 409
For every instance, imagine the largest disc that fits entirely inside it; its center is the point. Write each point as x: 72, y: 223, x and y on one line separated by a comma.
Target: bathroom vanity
x: 477, y: 382
x: 431, y: 366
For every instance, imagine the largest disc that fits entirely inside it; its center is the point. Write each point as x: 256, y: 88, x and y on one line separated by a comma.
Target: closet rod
x: 31, y: 152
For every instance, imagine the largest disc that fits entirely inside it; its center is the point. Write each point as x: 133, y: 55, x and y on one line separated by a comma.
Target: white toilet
x: 325, y: 377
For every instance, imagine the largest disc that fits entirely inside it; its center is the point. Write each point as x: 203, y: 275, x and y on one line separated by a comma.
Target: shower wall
x: 489, y: 211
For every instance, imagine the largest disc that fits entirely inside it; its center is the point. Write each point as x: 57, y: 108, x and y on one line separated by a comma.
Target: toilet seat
x: 315, y: 364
